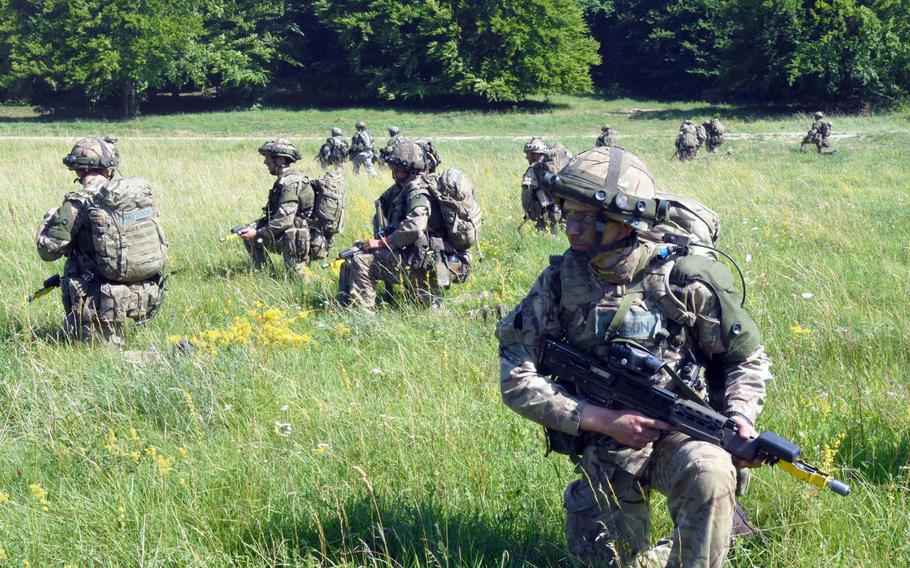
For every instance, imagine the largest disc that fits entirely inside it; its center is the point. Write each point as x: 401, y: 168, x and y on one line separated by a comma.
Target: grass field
x: 398, y: 451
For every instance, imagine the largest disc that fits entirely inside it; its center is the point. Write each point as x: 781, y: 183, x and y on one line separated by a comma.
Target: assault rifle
x: 237, y: 230
x: 353, y: 251
x: 628, y: 377
x: 48, y: 287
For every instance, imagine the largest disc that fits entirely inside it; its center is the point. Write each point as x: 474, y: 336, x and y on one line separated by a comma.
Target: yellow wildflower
x: 134, y: 435
x: 798, y: 330
x: 3, y: 555
x: 342, y: 330
x: 829, y: 452
x: 40, y: 495
x: 182, y: 481
x: 121, y: 516
x: 174, y: 339
x: 4, y: 497
x: 26, y: 563
x: 165, y: 465
x: 151, y: 452
x: 134, y: 455
x: 182, y: 451
x: 335, y: 266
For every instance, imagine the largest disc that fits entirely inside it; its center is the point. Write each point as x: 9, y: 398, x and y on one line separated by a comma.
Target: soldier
x: 687, y: 141
x: 818, y: 134
x: 286, y: 225
x: 606, y: 138
x: 362, y: 149
x: 334, y: 151
x: 536, y: 200
x: 614, y: 284
x: 114, y: 246
x: 410, y: 244
x: 395, y: 138
x: 714, y: 131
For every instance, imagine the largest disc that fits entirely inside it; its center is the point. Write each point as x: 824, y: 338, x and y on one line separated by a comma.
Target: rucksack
x: 825, y: 128
x: 718, y: 127
x: 700, y: 134
x: 687, y: 215
x: 559, y: 155
x: 461, y: 215
x: 128, y: 242
x: 331, y: 202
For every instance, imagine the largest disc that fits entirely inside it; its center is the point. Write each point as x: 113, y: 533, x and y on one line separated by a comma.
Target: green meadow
x: 300, y: 434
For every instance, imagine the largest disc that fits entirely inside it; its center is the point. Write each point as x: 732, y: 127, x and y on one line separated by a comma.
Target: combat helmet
x: 394, y: 130
x: 819, y: 114
x: 615, y: 181
x: 360, y: 125
x: 93, y: 152
x: 409, y: 157
x: 280, y: 147
x: 605, y: 127
x: 536, y: 145
x: 336, y: 131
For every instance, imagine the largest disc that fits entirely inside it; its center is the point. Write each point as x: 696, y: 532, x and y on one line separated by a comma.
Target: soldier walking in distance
x: 395, y: 138
x: 613, y: 284
x: 687, y: 141
x: 288, y: 224
x: 607, y: 137
x: 818, y: 134
x: 362, y: 149
x: 714, y: 131
x: 334, y: 151
x: 422, y: 228
x: 114, y: 246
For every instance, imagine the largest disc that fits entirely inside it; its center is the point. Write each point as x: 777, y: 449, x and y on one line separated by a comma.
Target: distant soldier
x: 334, y: 151
x: 361, y: 151
x: 395, y: 138
x: 114, y: 246
x: 687, y: 141
x: 607, y: 137
x: 818, y: 134
x: 715, y: 132
x: 537, y: 201
x: 290, y: 224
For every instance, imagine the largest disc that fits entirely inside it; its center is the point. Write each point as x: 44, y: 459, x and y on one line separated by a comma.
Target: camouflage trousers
x: 361, y: 273
x: 96, y: 310
x: 364, y: 159
x: 714, y: 142
x: 608, y: 511
x: 684, y: 152
x: 541, y: 208
x: 820, y: 142
x: 298, y: 247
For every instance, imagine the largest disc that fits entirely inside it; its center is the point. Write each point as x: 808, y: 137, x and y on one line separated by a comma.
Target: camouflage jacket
x: 290, y: 202
x: 571, y: 302
x: 408, y: 212
x: 64, y: 231
x: 533, y: 176
x: 605, y: 139
x: 361, y: 142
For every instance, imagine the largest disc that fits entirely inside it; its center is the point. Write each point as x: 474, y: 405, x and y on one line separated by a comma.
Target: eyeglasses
x: 584, y: 219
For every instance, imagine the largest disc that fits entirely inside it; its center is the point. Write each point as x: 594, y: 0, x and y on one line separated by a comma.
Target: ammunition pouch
x: 563, y: 443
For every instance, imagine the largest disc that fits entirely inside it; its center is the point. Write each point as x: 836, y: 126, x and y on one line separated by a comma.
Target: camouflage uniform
x: 606, y: 138
x: 334, y: 151
x: 94, y: 308
x: 715, y: 134
x: 286, y: 226
x: 362, y: 150
x: 409, y: 222
x: 687, y: 141
x: 608, y: 513
x: 395, y: 138
x: 818, y: 134
x: 537, y: 201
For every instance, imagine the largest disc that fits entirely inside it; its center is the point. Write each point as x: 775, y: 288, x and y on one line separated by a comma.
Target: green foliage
x: 498, y: 51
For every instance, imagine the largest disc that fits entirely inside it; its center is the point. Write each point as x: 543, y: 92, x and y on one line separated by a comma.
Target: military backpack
x: 128, y: 242
x: 330, y: 204
x: 825, y: 128
x: 689, y: 216
x: 559, y: 155
x: 461, y: 214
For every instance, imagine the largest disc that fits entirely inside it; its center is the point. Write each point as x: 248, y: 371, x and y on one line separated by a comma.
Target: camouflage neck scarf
x: 619, y: 263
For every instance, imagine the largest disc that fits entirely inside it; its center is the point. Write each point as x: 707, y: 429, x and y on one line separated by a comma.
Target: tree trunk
x: 129, y: 98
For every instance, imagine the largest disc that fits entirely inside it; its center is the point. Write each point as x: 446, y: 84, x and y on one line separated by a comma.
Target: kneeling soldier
x: 113, y: 243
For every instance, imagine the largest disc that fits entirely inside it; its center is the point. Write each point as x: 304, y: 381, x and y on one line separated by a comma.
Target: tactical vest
x: 128, y: 244
x: 287, y: 189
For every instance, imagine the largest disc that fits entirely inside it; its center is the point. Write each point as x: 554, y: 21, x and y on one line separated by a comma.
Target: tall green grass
x: 400, y: 452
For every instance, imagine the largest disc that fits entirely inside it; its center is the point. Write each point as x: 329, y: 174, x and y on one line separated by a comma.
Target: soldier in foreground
x: 614, y: 285
x: 287, y: 225
x: 422, y: 228
x: 334, y: 151
x: 362, y: 149
x: 536, y: 200
x: 114, y: 246
x: 687, y: 141
x: 714, y: 132
x: 818, y: 134
x: 607, y: 137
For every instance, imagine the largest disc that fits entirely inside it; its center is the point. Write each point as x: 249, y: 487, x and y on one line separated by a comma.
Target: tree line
x: 91, y: 54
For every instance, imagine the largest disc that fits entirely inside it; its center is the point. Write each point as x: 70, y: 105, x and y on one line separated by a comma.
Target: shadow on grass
x: 877, y: 454
x: 700, y: 113
x: 362, y: 535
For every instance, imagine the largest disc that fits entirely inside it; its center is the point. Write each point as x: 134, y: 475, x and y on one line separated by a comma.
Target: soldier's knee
x: 708, y: 477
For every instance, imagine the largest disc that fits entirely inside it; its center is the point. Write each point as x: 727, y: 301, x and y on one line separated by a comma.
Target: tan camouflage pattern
x: 361, y: 273
x: 715, y: 138
x: 539, y: 204
x: 575, y: 299
x: 94, y: 310
x: 362, y: 146
x: 687, y: 143
x: 815, y: 136
x: 285, y: 226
